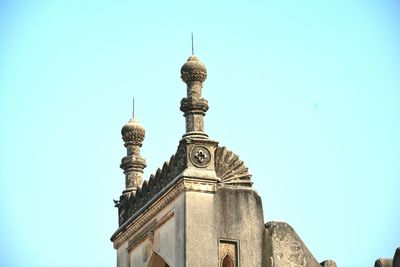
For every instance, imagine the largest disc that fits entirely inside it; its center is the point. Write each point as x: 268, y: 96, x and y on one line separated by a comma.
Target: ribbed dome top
x: 133, y: 132
x: 193, y: 70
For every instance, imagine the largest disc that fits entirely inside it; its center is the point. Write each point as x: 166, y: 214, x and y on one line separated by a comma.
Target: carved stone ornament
x: 193, y: 70
x: 230, y: 169
x: 190, y: 104
x: 200, y: 156
x: 133, y: 133
x: 170, y: 169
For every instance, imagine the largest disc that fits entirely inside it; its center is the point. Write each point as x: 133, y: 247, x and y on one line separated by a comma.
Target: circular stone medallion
x: 200, y: 156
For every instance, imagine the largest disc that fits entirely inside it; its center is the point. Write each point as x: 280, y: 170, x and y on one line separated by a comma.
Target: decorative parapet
x: 228, y: 167
x: 130, y: 227
x: 130, y: 204
x: 148, y: 211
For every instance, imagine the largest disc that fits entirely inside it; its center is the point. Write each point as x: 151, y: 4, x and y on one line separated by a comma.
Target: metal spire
x: 192, y: 45
x: 133, y: 107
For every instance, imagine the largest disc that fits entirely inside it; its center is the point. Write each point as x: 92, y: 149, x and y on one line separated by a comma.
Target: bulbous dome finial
x: 193, y: 70
x: 133, y: 164
x: 133, y: 133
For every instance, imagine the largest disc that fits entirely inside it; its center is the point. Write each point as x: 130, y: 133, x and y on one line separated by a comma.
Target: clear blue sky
x: 306, y: 92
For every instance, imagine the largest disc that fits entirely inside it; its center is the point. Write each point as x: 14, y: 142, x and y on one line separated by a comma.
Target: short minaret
x: 133, y: 164
x: 194, y: 107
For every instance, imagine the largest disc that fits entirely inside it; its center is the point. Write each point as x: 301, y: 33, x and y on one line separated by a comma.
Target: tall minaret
x: 133, y: 164
x: 194, y: 107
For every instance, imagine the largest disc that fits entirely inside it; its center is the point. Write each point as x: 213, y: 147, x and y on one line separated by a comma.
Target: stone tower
x: 200, y: 208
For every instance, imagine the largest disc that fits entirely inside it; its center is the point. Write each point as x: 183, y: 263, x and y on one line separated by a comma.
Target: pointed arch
x: 157, y: 261
x: 227, y: 261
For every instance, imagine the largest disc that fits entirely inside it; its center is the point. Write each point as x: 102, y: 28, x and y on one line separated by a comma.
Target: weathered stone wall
x: 162, y: 235
x: 122, y: 256
x: 284, y: 248
x: 229, y: 214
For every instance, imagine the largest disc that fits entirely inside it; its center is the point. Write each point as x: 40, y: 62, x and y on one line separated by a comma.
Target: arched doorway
x: 228, y: 261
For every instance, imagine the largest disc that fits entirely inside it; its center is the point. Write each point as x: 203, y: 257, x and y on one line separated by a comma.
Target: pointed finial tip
x: 133, y: 107
x: 192, y: 45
